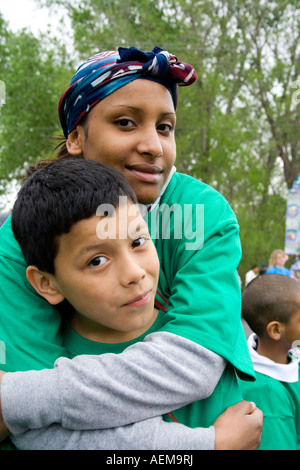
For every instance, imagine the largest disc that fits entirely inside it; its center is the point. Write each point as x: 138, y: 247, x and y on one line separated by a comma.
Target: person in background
x: 271, y: 307
x: 263, y: 268
x: 277, y: 261
x: 251, y: 274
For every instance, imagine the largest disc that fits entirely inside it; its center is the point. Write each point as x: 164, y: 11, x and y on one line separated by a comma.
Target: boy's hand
x: 239, y: 427
x: 4, y: 432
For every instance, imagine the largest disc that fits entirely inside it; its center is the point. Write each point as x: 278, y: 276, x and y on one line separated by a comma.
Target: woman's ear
x: 74, y: 141
x: 44, y: 284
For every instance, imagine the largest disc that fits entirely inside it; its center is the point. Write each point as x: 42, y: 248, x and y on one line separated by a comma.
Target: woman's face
x: 132, y: 130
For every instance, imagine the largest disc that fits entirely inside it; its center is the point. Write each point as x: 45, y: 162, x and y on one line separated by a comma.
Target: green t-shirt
x: 280, y: 404
x: 29, y: 325
x: 201, y: 413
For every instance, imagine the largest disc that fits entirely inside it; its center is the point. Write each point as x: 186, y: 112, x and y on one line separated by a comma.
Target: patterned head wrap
x: 105, y: 72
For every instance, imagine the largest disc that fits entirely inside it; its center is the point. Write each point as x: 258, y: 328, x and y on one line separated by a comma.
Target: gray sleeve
x: 150, y: 378
x: 151, y: 434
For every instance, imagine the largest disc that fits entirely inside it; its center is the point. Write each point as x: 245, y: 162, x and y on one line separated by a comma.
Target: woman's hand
x: 239, y: 427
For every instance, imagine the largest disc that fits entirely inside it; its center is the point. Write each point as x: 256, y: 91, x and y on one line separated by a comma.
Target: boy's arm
x: 82, y: 393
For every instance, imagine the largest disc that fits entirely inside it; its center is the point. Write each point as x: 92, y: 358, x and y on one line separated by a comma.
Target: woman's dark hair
x: 60, y: 148
x: 62, y: 154
x: 58, y: 195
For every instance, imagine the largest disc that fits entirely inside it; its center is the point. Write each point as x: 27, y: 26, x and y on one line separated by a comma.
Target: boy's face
x: 110, y: 282
x: 132, y: 130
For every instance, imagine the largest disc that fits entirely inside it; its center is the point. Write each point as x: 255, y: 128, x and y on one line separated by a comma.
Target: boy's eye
x: 98, y: 261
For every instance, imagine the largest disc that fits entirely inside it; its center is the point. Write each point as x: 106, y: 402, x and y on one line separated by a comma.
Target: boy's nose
x: 131, y: 273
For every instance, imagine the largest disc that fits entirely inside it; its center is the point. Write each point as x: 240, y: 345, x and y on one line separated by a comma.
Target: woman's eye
x: 125, y: 122
x: 165, y: 128
x: 139, y: 242
x: 98, y: 261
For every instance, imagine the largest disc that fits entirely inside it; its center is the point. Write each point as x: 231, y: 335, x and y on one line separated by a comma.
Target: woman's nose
x: 150, y: 144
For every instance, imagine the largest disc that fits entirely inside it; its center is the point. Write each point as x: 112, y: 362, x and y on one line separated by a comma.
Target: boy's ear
x: 44, y: 284
x: 75, y: 140
x: 274, y: 330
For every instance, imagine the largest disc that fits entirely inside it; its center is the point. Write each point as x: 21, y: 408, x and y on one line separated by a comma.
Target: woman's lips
x: 146, y: 173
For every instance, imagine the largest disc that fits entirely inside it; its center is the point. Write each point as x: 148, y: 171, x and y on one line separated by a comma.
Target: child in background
x: 277, y: 261
x: 271, y: 307
x: 89, y: 252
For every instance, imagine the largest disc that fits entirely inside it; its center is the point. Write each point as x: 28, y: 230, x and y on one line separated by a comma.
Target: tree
x: 275, y: 68
x: 34, y: 78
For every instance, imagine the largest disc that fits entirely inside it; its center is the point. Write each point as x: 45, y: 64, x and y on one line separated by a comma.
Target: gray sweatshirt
x: 103, y: 396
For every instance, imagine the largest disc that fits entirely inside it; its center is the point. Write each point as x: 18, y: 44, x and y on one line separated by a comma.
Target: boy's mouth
x: 138, y: 301
x: 146, y: 172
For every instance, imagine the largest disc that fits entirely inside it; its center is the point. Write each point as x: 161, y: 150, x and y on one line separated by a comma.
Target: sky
x: 26, y: 13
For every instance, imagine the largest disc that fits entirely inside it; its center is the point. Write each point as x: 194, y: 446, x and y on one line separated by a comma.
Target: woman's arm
x: 94, y: 392
x: 238, y: 428
x: 151, y: 434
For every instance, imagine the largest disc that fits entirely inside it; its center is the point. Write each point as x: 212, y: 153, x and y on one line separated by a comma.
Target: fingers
x: 245, y: 407
x: 257, y: 417
x: 258, y: 414
x: 250, y: 407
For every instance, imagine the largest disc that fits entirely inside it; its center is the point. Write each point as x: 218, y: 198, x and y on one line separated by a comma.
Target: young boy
x: 271, y: 306
x: 89, y: 251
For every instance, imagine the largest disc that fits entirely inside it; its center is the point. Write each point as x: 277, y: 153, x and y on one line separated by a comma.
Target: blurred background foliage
x: 238, y: 126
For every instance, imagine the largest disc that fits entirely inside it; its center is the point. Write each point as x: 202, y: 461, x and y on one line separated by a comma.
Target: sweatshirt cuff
x: 29, y: 398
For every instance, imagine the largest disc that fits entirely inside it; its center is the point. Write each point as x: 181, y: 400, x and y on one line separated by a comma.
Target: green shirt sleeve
x: 29, y: 325
x: 199, y: 287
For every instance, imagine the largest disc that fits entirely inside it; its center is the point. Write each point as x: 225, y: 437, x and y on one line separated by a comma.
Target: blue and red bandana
x: 105, y: 72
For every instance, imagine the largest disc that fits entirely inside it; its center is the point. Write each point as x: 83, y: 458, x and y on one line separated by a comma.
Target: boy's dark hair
x: 55, y: 197
x: 270, y: 297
